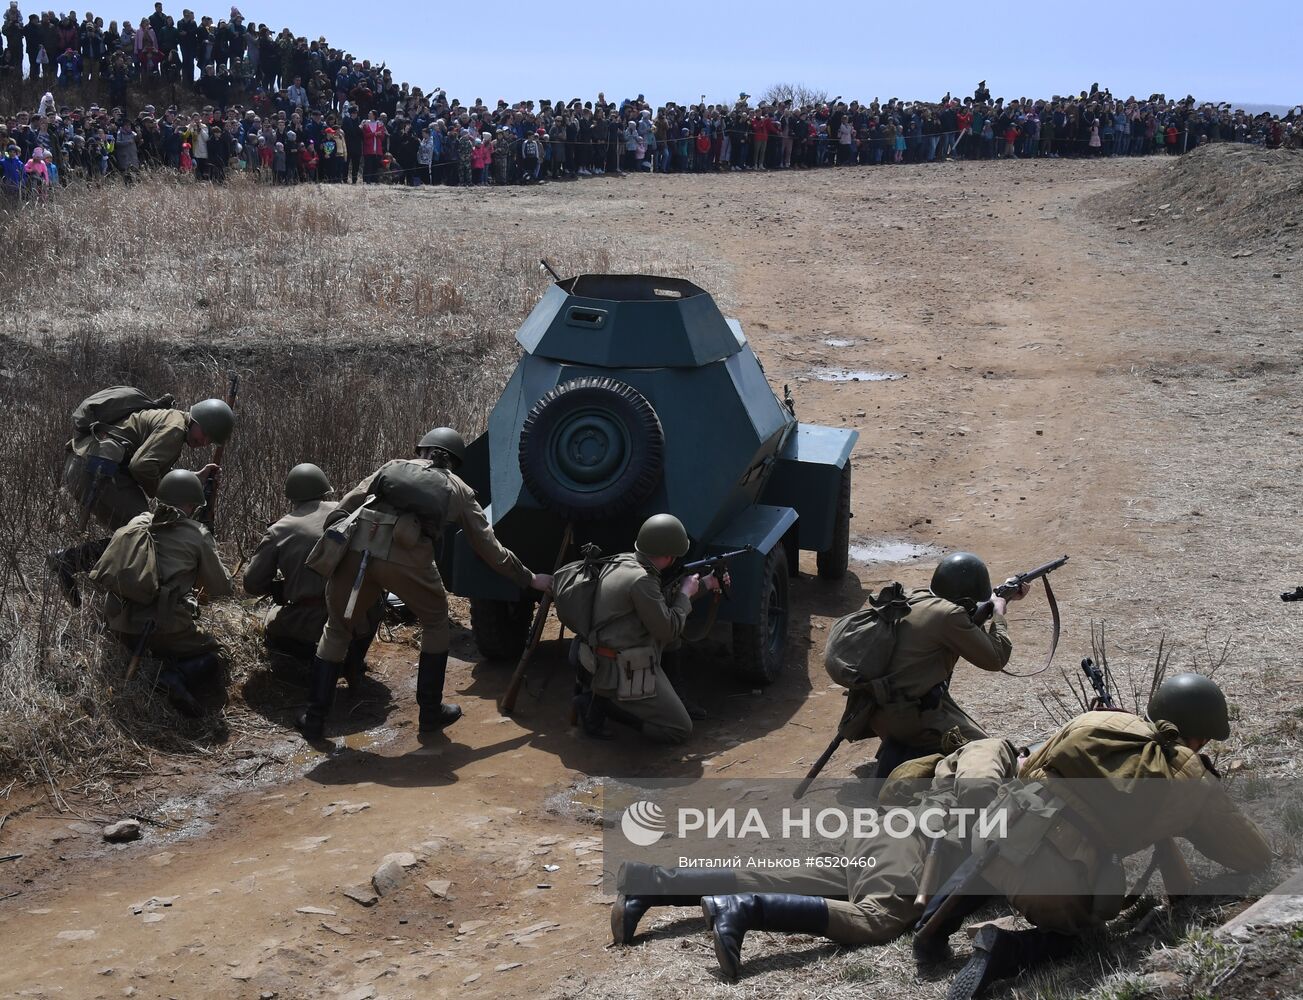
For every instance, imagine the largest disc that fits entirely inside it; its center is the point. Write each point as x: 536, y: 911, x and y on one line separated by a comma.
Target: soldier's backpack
x: 574, y: 592
x: 859, y: 651
x: 416, y: 488
x: 112, y: 406
x: 129, y: 566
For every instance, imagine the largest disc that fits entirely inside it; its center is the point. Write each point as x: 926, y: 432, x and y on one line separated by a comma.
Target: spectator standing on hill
x: 374, y: 134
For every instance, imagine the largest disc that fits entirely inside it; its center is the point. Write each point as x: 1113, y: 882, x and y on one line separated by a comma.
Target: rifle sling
x: 1054, y: 638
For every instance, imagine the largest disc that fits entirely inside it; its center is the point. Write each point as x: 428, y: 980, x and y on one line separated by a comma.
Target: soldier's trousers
x: 663, y: 717
x: 865, y: 905
x: 183, y: 644
x: 117, y: 498
x: 420, y: 588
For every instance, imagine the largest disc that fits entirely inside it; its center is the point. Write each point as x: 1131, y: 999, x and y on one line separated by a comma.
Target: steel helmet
x: 962, y: 578
x: 448, y: 440
x: 306, y: 482
x: 662, y: 535
x: 180, y: 488
x: 1194, y: 704
x: 214, y: 418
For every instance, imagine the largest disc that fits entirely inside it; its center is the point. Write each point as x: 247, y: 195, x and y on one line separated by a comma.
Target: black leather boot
x: 173, y: 685
x: 730, y: 917
x: 643, y: 886
x: 999, y: 954
x: 322, y: 676
x: 932, y: 945
x: 591, y: 710
x: 355, y: 662
x: 65, y: 564
x: 431, y: 671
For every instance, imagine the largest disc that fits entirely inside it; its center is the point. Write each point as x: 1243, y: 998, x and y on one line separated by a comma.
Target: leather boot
x: 173, y: 685
x: 355, y: 662
x: 730, y: 917
x: 999, y: 954
x: 65, y: 564
x: 431, y: 671
x: 933, y: 946
x: 322, y: 676
x: 643, y: 886
x: 591, y: 710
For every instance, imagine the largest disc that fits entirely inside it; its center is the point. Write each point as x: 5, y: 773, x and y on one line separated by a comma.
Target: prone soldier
x: 399, y: 513
x: 1058, y: 864
x: 294, y: 623
x: 123, y: 446
x: 154, y: 607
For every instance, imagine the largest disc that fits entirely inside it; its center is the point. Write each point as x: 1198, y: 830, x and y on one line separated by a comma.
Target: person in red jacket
x: 374, y: 137
x: 760, y: 139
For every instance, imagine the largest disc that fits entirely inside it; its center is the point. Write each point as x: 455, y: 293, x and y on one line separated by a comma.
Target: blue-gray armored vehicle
x: 636, y: 395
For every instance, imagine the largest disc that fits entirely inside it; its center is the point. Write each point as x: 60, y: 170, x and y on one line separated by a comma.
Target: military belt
x: 606, y: 652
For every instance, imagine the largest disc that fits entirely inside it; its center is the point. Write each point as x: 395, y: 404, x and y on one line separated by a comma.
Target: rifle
x: 507, y: 703
x: 1011, y: 586
x: 210, y: 487
x: 980, y: 616
x: 716, y: 565
x: 1293, y: 595
x: 139, y: 651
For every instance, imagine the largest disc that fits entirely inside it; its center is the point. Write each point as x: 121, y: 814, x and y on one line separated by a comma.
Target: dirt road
x: 1070, y: 387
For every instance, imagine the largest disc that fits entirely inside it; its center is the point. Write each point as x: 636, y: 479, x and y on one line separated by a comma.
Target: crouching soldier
x: 123, y: 445
x: 396, y: 517
x: 151, y: 568
x: 632, y: 623
x: 297, y: 618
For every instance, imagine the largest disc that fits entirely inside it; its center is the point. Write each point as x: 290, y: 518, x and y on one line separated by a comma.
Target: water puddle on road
x: 842, y: 375
x: 883, y: 550
x: 838, y: 342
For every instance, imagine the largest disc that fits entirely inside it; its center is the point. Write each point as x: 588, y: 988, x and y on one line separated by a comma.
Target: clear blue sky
x: 675, y: 50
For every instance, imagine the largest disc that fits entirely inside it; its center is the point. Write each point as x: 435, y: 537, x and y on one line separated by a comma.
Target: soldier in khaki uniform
x: 632, y: 624
x: 852, y: 905
x: 298, y: 615
x: 186, y: 558
x: 914, y: 709
x: 1105, y: 786
x: 398, y: 546
x: 1112, y: 784
x: 144, y: 446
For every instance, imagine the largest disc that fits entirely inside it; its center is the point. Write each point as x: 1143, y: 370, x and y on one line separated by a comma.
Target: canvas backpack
x: 574, y: 592
x: 859, y: 652
x: 129, y: 566
x: 112, y: 406
x: 416, y: 488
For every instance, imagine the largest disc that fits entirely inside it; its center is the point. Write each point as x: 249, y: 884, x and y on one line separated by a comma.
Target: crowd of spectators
x: 292, y: 110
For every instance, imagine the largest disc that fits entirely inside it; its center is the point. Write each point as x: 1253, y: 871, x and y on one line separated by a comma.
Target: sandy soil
x: 1071, y: 388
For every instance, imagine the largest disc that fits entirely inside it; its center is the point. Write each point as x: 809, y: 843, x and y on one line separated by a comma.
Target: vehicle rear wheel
x: 592, y: 449
x: 759, y: 651
x: 501, y: 628
x: 832, y: 561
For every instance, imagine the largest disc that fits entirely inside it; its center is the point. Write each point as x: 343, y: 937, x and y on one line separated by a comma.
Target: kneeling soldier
x: 401, y: 511
x: 633, y: 622
x: 185, y: 557
x: 298, y: 615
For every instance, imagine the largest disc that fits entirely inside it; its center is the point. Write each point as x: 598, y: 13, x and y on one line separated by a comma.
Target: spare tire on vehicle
x: 591, y: 449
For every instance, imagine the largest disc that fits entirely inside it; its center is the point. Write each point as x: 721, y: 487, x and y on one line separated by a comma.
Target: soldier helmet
x: 662, y: 535
x: 306, y: 482
x: 447, y: 440
x: 1194, y: 704
x: 214, y: 418
x: 962, y: 578
x: 180, y: 488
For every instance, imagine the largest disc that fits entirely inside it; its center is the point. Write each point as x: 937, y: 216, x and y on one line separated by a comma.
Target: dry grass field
x: 1103, y: 359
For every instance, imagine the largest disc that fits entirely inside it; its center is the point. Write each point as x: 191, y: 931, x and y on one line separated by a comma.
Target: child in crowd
x: 187, y: 161
x: 308, y: 160
x: 13, y: 172
x: 279, y: 163
x: 38, y: 175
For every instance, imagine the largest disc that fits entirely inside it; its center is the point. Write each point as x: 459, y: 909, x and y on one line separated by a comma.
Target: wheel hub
x: 589, y: 450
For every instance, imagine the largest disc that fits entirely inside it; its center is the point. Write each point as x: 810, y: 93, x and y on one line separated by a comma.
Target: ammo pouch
x: 604, y: 668
x: 329, y: 551
x: 913, y: 723
x: 637, y: 679
x: 374, y: 533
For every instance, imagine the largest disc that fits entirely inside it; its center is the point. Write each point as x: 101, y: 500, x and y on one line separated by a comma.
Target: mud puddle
x: 885, y: 550
x: 843, y: 375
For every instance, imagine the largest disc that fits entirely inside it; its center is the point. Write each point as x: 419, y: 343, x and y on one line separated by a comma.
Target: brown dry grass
x: 351, y: 337
x: 1240, y: 198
